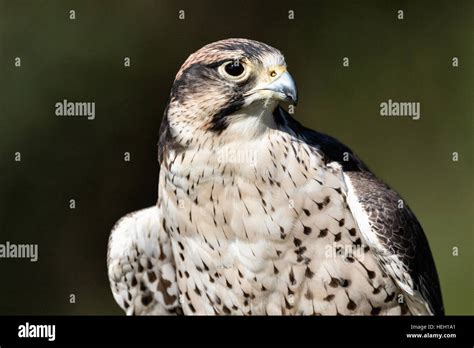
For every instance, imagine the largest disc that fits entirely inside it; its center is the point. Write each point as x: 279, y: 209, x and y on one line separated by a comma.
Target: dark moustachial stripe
x: 190, y: 81
x: 190, y: 84
x: 219, y: 121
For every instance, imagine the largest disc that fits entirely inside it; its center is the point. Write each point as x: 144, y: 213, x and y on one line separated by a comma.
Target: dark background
x: 74, y: 158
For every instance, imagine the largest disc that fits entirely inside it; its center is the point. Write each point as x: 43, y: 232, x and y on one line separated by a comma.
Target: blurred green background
x: 82, y: 60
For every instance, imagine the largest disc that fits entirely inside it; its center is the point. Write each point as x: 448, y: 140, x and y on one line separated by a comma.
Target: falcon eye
x: 234, y: 68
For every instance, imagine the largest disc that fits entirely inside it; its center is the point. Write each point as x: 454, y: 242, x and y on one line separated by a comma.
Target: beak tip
x: 285, y: 87
x: 291, y: 96
x: 289, y: 88
x: 294, y: 99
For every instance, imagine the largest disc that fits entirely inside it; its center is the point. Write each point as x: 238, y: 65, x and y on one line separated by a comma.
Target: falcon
x: 258, y: 215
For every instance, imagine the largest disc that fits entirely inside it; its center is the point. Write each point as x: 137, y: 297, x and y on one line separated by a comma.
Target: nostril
x: 273, y: 73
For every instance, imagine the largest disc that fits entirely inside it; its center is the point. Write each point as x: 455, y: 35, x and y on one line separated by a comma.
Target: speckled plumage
x: 258, y: 215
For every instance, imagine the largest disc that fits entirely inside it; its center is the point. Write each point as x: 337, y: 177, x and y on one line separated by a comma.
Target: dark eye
x: 234, y: 68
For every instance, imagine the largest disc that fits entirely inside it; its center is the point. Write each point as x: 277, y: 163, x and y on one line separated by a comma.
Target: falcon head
x: 229, y: 83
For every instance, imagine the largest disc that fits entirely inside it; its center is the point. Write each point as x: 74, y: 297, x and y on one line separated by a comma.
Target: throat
x: 250, y: 122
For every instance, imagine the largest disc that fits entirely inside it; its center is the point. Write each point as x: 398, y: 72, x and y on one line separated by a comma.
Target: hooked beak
x: 284, y: 87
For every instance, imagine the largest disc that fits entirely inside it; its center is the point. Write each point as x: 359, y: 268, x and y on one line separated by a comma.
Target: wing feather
x: 397, y: 240
x: 386, y: 222
x: 141, y: 265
